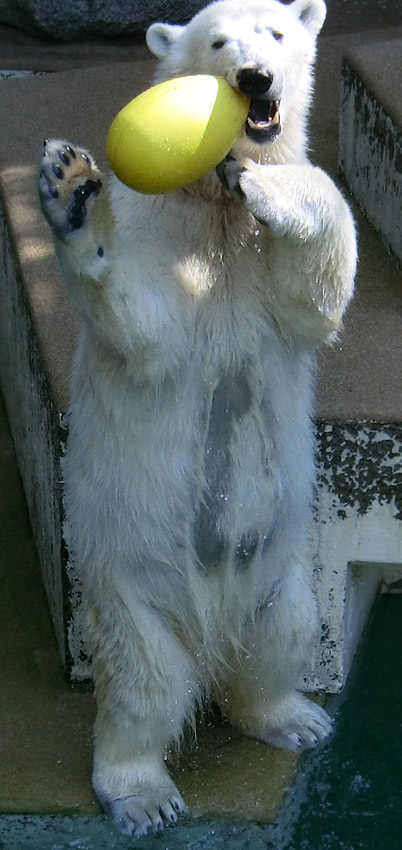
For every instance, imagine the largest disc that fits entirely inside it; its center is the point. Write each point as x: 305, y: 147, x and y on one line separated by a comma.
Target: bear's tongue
x: 263, y: 114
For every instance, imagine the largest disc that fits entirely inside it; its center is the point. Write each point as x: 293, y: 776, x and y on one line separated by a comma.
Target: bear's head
x: 263, y: 48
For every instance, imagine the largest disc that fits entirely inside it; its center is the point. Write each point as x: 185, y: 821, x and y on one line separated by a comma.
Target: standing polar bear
x: 189, y: 471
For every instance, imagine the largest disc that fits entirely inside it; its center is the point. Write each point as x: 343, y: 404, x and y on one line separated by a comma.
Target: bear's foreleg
x: 295, y: 200
x: 111, y: 283
x: 74, y: 200
x: 313, y: 246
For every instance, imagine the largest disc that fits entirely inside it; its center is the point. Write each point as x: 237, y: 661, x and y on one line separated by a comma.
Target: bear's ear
x: 160, y: 38
x: 311, y: 13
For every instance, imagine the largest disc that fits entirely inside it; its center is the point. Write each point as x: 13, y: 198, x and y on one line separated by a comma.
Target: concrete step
x: 371, y: 135
x: 359, y: 383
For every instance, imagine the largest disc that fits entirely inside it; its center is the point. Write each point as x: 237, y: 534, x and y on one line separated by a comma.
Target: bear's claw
x: 228, y: 171
x: 146, y: 812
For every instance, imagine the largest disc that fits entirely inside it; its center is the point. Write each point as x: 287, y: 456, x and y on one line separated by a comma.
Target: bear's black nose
x: 253, y: 83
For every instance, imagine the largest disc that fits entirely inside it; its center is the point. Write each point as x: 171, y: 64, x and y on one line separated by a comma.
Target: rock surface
x: 63, y: 21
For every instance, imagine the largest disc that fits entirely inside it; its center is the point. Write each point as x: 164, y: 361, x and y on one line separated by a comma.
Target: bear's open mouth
x: 263, y: 121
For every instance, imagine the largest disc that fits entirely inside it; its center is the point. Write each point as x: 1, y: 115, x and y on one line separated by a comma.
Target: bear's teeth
x: 257, y: 125
x: 263, y: 125
x: 263, y: 114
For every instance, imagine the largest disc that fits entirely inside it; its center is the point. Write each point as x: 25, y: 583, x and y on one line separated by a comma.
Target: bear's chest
x: 222, y: 251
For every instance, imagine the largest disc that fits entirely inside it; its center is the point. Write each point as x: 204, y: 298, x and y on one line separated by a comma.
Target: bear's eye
x: 278, y: 36
x: 220, y: 42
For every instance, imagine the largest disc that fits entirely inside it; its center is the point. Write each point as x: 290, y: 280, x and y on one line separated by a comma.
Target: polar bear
x: 189, y: 469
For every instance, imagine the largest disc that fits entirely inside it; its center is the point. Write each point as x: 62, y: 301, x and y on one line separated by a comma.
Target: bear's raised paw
x: 69, y: 182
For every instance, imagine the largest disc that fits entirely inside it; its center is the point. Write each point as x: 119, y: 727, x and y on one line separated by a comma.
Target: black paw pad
x: 77, y: 210
x: 57, y: 171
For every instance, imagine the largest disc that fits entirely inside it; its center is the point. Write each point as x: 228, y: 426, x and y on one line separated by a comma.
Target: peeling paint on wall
x: 361, y: 463
x: 356, y: 537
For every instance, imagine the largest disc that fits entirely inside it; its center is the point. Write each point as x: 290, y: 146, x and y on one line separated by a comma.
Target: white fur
x: 193, y: 371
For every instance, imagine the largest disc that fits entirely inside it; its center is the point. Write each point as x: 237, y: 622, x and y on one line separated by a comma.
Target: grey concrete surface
x: 379, y: 66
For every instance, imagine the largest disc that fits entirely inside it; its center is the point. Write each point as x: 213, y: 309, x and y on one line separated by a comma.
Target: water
x: 347, y: 796
x: 355, y: 792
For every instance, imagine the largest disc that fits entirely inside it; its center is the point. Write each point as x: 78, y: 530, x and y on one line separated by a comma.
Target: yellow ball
x: 175, y: 132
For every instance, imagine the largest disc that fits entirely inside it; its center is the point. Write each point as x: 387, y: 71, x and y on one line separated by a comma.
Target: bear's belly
x: 256, y: 465
x: 202, y: 467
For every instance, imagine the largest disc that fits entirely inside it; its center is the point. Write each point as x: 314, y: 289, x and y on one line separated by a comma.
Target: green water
x: 355, y: 791
x: 347, y: 796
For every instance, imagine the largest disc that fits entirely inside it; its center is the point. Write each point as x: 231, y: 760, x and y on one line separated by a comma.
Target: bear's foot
x: 303, y: 725
x: 294, y: 724
x: 69, y: 183
x: 147, y: 809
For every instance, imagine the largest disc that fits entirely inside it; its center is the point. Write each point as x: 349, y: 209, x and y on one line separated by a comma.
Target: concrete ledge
x: 371, y: 135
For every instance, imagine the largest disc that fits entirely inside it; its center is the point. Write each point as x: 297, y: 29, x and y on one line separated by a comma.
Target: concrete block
x: 370, y: 146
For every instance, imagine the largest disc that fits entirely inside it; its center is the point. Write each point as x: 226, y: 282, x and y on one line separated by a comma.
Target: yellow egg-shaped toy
x: 175, y: 132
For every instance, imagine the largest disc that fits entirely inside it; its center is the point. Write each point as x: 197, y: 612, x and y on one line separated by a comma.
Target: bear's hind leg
x: 260, y: 695
x: 146, y: 690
